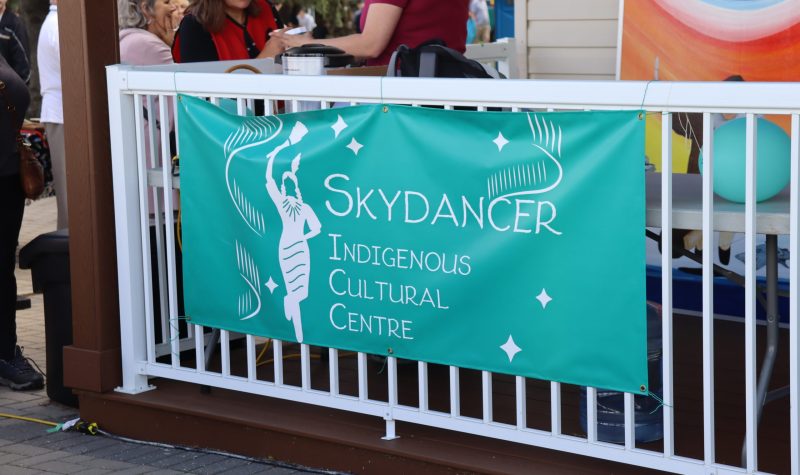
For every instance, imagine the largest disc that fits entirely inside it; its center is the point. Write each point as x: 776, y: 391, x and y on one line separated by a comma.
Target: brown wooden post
x: 89, y: 41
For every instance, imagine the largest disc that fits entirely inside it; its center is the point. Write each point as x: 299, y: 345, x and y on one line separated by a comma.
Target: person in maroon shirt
x: 387, y: 24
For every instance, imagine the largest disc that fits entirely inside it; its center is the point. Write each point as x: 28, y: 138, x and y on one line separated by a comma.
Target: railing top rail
x: 658, y: 96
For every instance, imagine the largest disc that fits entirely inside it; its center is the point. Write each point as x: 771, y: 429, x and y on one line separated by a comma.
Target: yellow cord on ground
x: 29, y: 419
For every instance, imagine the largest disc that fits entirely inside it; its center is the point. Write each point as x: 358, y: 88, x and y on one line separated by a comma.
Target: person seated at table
x: 219, y: 30
x: 180, y: 11
x: 146, y: 31
x: 387, y: 24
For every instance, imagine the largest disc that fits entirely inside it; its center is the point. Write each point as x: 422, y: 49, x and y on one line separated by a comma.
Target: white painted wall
x: 568, y: 39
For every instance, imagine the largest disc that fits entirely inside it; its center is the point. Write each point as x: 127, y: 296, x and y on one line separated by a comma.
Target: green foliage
x: 337, y: 15
x: 334, y: 12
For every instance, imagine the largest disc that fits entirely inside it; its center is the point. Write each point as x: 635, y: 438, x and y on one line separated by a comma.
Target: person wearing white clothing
x: 305, y: 19
x: 52, y: 116
x: 479, y: 12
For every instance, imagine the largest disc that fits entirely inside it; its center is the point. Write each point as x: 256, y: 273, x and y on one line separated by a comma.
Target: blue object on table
x: 772, y: 163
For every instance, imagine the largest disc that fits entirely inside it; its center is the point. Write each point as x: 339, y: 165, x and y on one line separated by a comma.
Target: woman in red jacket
x: 219, y: 30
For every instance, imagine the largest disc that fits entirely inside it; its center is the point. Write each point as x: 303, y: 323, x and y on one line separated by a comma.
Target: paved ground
x: 27, y: 448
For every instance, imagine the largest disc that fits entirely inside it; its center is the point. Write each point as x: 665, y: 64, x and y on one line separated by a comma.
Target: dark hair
x: 735, y: 77
x: 211, y: 13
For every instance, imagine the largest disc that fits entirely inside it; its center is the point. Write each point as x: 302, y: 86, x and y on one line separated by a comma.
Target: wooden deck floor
x: 316, y: 432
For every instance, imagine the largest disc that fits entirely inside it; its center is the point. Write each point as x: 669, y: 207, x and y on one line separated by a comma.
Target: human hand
x: 274, y: 47
x: 291, y: 41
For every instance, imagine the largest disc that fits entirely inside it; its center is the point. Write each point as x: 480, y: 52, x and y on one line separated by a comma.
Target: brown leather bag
x: 31, y: 172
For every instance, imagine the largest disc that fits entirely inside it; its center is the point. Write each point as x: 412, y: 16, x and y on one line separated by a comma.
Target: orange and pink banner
x: 710, y: 40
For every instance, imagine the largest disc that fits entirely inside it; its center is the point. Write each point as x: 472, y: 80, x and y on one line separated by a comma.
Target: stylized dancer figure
x: 295, y: 260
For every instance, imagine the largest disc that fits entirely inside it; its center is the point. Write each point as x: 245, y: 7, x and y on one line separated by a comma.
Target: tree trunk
x: 33, y: 13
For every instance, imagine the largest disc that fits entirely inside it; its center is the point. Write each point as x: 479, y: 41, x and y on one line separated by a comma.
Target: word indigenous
x: 399, y: 258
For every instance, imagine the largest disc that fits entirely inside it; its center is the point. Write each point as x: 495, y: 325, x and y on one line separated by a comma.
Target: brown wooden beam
x: 262, y: 427
x: 88, y: 38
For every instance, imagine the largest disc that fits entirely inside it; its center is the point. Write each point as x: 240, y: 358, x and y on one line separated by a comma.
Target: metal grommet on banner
x: 641, y: 116
x: 390, y: 351
x: 642, y: 388
x: 385, y: 109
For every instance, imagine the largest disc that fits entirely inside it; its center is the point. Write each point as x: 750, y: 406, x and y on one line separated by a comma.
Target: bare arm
x: 381, y: 22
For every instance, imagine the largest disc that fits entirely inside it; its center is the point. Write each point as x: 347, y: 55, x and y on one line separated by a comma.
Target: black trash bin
x: 47, y: 257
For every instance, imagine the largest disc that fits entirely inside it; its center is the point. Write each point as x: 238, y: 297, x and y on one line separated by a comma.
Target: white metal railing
x: 500, y: 55
x: 143, y: 189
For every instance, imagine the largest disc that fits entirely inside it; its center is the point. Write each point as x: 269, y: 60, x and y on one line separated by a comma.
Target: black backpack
x: 434, y: 59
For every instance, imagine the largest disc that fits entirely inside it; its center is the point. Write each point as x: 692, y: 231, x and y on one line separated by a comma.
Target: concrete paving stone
x: 12, y: 470
x: 138, y: 470
x: 73, y: 445
x: 166, y: 459
x: 95, y: 471
x: 198, y: 463
x: 111, y: 447
x: 23, y: 426
x: 59, y: 441
x: 23, y: 432
x: 248, y: 469
x: 79, y: 459
x: 57, y: 466
x: 34, y: 460
x: 25, y: 449
x: 133, y: 452
x: 19, y: 395
x: 9, y: 458
x: 224, y: 466
x: 281, y: 471
x: 6, y: 442
x: 58, y: 413
x: 112, y: 465
x: 8, y: 422
x: 25, y: 408
x: 91, y: 444
x: 166, y: 471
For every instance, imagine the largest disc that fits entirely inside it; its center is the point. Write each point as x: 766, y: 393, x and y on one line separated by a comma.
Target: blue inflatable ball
x: 772, y: 160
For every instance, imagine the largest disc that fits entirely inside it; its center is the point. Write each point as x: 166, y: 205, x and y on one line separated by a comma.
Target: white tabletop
x: 687, y: 207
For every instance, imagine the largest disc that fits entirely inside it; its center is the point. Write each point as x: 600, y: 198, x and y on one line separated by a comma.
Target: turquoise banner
x: 499, y: 241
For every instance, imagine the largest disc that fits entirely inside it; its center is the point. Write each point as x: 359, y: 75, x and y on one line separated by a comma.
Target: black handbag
x: 31, y: 172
